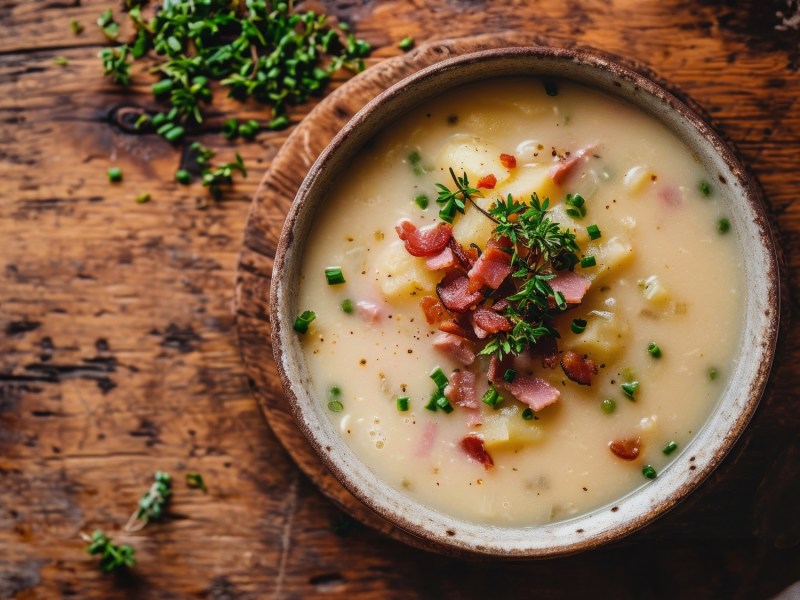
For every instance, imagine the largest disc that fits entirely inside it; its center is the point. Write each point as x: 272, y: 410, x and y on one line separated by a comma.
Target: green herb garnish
x: 112, y: 556
x: 195, y: 480
x: 608, y: 406
x: 61, y: 61
x: 705, y: 188
x: 143, y: 198
x: 152, y: 504
x: 302, y: 322
x: 649, y: 472
x: 509, y: 376
x: 334, y: 275
x: 492, y: 397
x: 443, y: 403
x: 629, y: 388
x: 347, y: 306
x: 528, y: 414
x: 334, y: 404
x: 415, y: 161
x: 108, y: 25
x: 578, y: 326
x: 230, y: 129
x: 76, y: 27
x: 670, y: 448
x: 712, y: 374
x: 588, y: 262
x: 422, y: 201
x: 577, y: 208
x: 406, y: 44
x: 594, y: 232
x: 723, y: 225
x: 114, y: 174
x: 182, y: 176
x: 653, y: 350
x: 453, y: 202
x: 439, y: 378
x: 402, y: 404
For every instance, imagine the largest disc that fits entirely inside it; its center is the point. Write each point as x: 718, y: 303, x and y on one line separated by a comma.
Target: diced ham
x: 509, y: 160
x: 454, y: 293
x: 572, y: 285
x: 427, y: 439
x: 560, y: 172
x: 491, y: 268
x: 486, y: 321
x: 455, y: 347
x: 369, y: 311
x: 444, y: 260
x: 487, y: 183
x: 671, y: 196
x: 578, y: 368
x: 473, y: 446
x: 428, y: 241
x: 533, y: 391
x: 461, y: 389
x: 432, y: 308
x: 626, y: 449
x: 454, y: 327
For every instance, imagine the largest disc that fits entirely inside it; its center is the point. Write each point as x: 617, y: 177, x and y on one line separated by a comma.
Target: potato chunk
x: 611, y: 256
x: 399, y: 274
x: 605, y: 336
x: 505, y: 429
x: 473, y: 156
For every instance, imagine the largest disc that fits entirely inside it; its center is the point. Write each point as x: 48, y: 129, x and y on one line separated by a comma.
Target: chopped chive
x: 249, y: 129
x: 576, y: 203
x: 670, y: 448
x: 491, y: 397
x: 712, y: 373
x: 723, y: 225
x: 279, y: 122
x: 560, y: 300
x: 302, y: 322
x: 335, y: 406
x: 406, y: 43
x: 61, y: 61
x: 335, y: 391
x: 402, y: 404
x: 114, y: 174
x: 158, y: 120
x: 347, y: 305
x: 705, y: 188
x: 161, y: 87
x: 142, y: 198
x: 431, y: 405
x: 527, y: 414
x: 578, y: 325
x: 594, y: 232
x: 510, y: 375
x: 608, y: 406
x: 653, y: 350
x: 174, y: 133
x: 443, y: 403
x: 439, y: 378
x: 649, y: 472
x: 230, y: 129
x: 415, y: 160
x: 629, y: 388
x: 422, y: 201
x: 182, y: 176
x: 588, y: 261
x: 334, y: 275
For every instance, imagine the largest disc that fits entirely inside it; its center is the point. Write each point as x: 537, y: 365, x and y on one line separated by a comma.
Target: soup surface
x: 660, y: 322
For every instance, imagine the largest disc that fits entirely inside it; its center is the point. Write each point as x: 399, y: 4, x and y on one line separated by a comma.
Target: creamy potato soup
x: 433, y: 345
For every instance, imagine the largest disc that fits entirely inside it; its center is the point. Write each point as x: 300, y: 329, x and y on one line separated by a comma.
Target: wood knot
x: 126, y: 118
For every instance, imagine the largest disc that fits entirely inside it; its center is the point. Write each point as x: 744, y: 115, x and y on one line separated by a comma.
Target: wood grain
x: 118, y: 355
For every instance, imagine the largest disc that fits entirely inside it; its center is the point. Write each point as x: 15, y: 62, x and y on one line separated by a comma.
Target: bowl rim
x: 446, y: 538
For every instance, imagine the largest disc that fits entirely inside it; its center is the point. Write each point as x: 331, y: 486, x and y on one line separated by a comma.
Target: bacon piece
x: 560, y: 172
x: 455, y: 346
x: 572, y: 285
x: 493, y: 266
x: 427, y: 439
x: 487, y: 183
x: 461, y: 389
x: 444, y: 260
x: 500, y: 305
x: 497, y: 369
x: 547, y: 348
x: 455, y: 294
x: 509, y: 160
x: 369, y: 311
x: 626, y: 449
x: 463, y: 258
x: 473, y: 446
x: 433, y: 309
x: 578, y: 368
x: 533, y: 391
x: 486, y: 321
x: 424, y: 242
x: 454, y: 327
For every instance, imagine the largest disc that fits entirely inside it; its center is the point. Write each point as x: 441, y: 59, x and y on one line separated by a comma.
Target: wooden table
x: 118, y: 355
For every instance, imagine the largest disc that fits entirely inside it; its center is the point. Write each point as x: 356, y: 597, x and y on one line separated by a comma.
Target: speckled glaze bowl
x: 696, y: 460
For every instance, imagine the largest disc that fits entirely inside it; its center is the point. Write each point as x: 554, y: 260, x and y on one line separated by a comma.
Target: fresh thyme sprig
x: 454, y: 201
x: 112, y: 556
x: 151, y: 505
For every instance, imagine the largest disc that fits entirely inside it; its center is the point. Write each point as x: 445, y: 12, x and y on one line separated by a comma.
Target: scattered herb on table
x: 112, y: 556
x: 152, y: 504
x: 114, y: 174
x: 143, y: 198
x: 195, y: 480
x: 61, y: 61
x: 406, y: 44
x: 76, y: 27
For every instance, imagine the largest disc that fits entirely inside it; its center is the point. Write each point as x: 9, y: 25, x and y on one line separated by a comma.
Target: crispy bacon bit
x: 488, y: 182
x: 500, y: 305
x: 533, y: 391
x: 572, y: 285
x: 578, y: 368
x: 461, y: 389
x: 444, y: 260
x: 493, y: 266
x: 455, y: 346
x: 497, y: 368
x: 486, y: 321
x: 464, y: 259
x: 454, y: 327
x: 433, y: 309
x: 473, y: 446
x: 560, y: 172
x: 547, y: 348
x: 509, y: 160
x: 455, y: 294
x: 626, y: 449
x: 428, y: 241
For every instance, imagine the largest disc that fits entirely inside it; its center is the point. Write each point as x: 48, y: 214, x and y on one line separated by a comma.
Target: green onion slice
x: 302, y: 322
x: 578, y: 325
x: 334, y: 275
x: 594, y: 232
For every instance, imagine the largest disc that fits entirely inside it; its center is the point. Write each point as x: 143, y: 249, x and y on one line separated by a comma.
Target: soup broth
x: 661, y: 318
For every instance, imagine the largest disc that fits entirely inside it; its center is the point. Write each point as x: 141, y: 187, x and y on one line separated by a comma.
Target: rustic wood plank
x: 118, y: 355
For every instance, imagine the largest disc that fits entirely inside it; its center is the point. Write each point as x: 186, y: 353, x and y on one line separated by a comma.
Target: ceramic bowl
x: 733, y: 410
